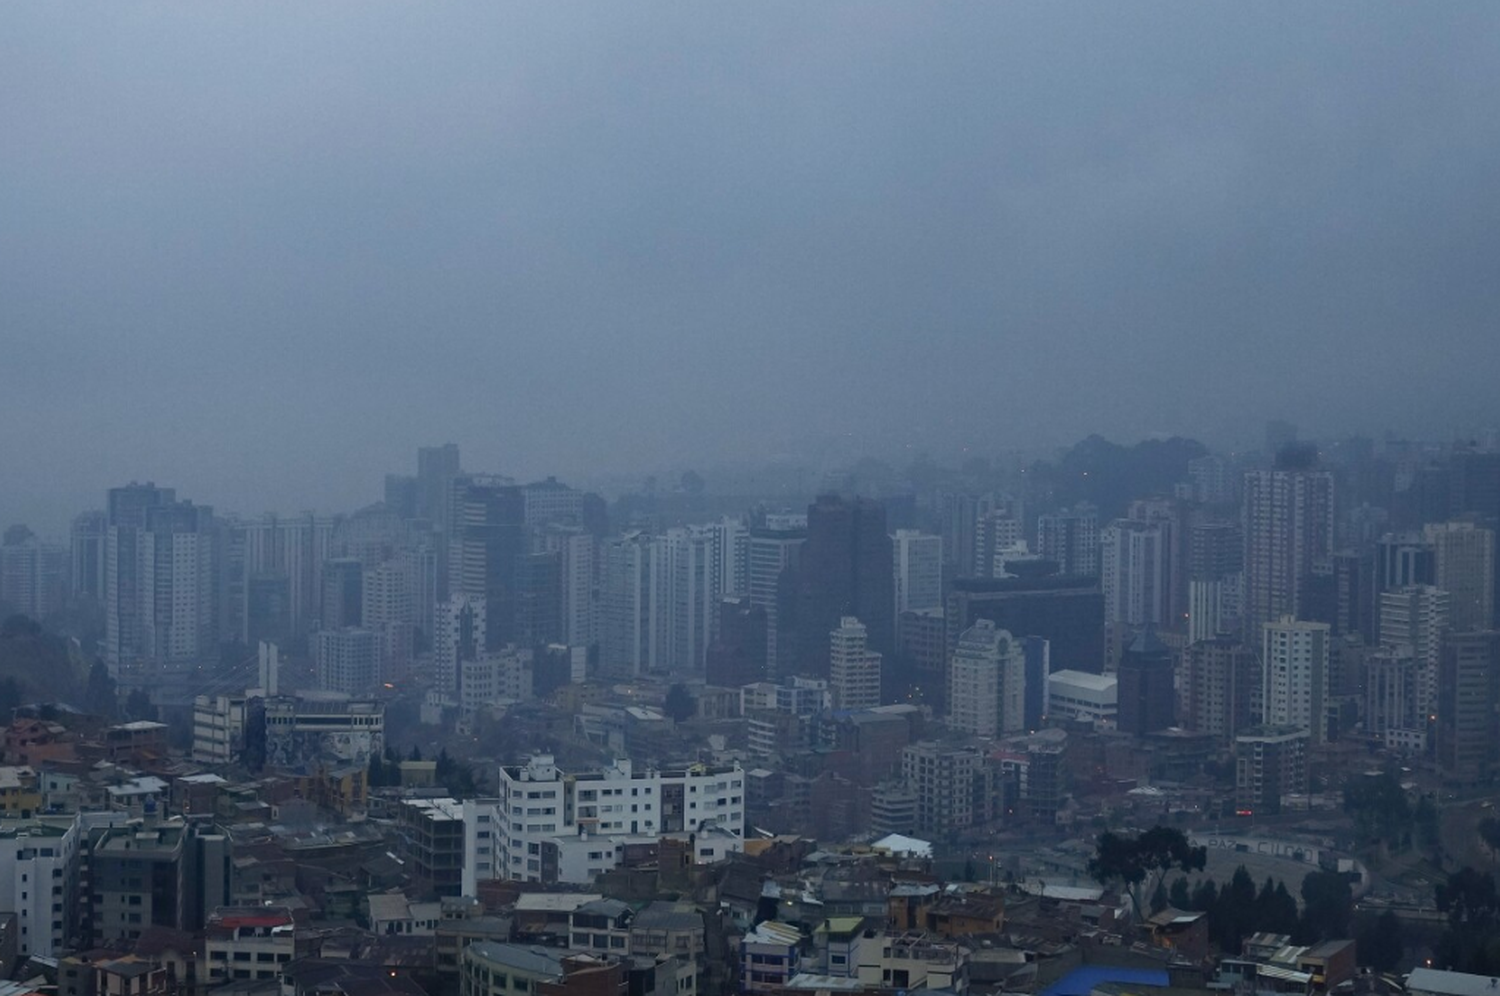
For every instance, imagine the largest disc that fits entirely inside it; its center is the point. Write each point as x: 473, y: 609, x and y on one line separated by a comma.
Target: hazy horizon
x: 261, y: 253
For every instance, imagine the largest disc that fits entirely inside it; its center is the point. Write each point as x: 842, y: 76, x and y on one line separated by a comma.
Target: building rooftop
x: 554, y: 902
x: 1084, y: 679
x: 13, y: 777
x: 901, y: 845
x: 1435, y: 980
x: 532, y: 959
x: 1082, y: 981
x: 668, y: 916
x: 771, y: 932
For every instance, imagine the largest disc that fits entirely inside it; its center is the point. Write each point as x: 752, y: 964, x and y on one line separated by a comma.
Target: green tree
x: 1379, y: 807
x: 1179, y: 896
x: 1327, y: 905
x: 456, y: 777
x: 138, y: 705
x: 1159, y: 897
x: 1205, y: 896
x: 1232, y: 916
x: 1472, y: 941
x: 10, y: 697
x: 1138, y: 864
x: 1489, y: 832
x: 99, y: 693
x: 1379, y: 942
x: 1283, y: 915
x: 375, y: 777
x: 679, y: 705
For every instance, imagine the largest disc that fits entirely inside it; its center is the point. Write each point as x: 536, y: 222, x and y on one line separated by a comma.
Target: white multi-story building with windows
x: 516, y: 835
x: 38, y: 876
x: 1294, y: 675
x: 854, y: 670
x: 987, y: 682
x: 919, y: 570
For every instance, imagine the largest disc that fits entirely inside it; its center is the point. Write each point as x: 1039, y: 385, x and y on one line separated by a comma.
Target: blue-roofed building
x: 1082, y: 981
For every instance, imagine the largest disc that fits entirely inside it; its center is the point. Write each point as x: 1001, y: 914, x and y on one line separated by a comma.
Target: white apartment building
x: 578, y: 567
x: 692, y: 586
x: 1134, y: 562
x: 919, y: 570
x: 248, y: 942
x: 347, y: 660
x: 389, y: 610
x: 539, y: 804
x: 633, y: 601
x: 494, y: 678
x: 987, y: 682
x: 1416, y: 617
x: 799, y: 696
x: 1294, y: 675
x: 38, y: 875
x: 218, y: 727
x: 853, y: 670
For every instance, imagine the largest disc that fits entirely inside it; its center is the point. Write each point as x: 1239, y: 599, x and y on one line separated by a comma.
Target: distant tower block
x: 270, y: 667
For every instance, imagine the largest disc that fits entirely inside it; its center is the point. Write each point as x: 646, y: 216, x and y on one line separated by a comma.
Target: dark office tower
x: 1288, y: 523
x: 88, y: 536
x: 401, y: 495
x: 538, y: 617
x: 1220, y: 681
x: 1279, y: 435
x: 922, y: 659
x: 1068, y: 612
x: 343, y: 593
x: 486, y: 546
x: 1476, y: 494
x: 268, y: 610
x: 1468, y: 736
x: 737, y: 655
x: 775, y: 549
x: 1071, y: 538
x: 1038, y: 653
x: 594, y: 514
x: 1353, y: 600
x: 1475, y: 484
x: 437, y: 467
x: 1427, y: 497
x: 1146, y: 685
x: 845, y: 570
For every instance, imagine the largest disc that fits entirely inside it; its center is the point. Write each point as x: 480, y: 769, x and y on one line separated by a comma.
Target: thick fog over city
x: 265, y: 250
x: 781, y: 499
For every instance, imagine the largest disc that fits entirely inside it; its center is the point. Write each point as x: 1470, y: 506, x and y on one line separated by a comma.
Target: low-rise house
x: 248, y: 942
x: 601, y: 927
x: 770, y: 954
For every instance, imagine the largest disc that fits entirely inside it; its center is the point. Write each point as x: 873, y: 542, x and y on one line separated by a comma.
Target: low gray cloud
x: 262, y: 251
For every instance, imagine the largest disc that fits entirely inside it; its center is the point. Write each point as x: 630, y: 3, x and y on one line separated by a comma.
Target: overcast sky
x: 261, y: 251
